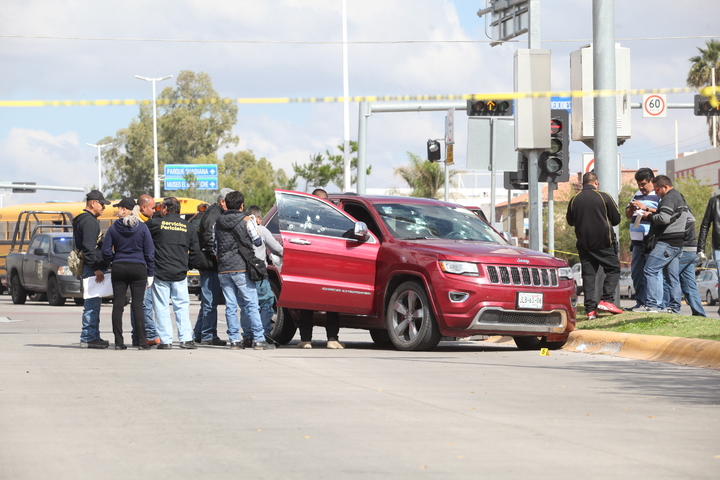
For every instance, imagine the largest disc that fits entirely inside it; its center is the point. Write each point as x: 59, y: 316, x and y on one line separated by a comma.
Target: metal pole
x: 99, y: 147
x: 493, y: 180
x: 534, y: 191
x: 604, y: 78
x: 551, y: 218
x: 364, y: 111
x: 447, y: 180
x: 714, y: 118
x: 347, y: 154
x: 156, y: 180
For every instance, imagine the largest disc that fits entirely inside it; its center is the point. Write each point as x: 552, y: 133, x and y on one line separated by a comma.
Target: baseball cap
x: 126, y: 202
x: 97, y: 195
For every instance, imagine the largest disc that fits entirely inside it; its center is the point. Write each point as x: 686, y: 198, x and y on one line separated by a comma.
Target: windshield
x: 412, y: 222
x: 62, y: 244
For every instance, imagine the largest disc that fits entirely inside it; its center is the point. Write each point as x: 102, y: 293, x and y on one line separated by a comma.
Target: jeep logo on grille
x: 523, y: 260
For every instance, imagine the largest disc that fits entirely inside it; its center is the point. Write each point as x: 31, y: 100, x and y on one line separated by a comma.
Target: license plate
x: 530, y: 300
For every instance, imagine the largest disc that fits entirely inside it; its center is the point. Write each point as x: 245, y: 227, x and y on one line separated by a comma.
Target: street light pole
x: 99, y: 147
x: 156, y: 179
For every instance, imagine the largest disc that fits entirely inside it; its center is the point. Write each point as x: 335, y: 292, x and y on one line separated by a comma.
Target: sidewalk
x: 655, y: 348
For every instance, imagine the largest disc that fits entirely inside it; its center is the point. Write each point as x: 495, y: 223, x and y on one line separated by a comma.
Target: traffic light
x: 553, y: 163
x: 489, y: 108
x: 517, y: 180
x: 703, y: 108
x: 433, y: 150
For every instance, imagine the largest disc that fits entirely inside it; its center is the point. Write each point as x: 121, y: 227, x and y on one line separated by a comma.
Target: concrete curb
x: 680, y: 351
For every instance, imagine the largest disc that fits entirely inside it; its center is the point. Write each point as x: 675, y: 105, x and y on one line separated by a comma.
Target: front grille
x: 553, y: 319
x: 522, y: 276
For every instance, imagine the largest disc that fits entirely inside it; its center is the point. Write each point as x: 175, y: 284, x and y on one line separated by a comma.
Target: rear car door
x: 324, y: 267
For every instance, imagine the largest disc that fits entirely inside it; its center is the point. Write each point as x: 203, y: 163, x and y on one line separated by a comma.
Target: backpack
x: 75, y: 262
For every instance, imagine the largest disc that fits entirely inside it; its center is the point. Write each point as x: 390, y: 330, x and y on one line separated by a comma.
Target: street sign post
x: 654, y: 106
x: 206, y: 176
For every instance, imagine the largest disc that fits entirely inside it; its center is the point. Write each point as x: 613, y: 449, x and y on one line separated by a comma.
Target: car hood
x: 484, y: 252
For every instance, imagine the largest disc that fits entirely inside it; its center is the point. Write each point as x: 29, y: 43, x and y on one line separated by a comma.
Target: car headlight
x: 565, y: 273
x: 459, y: 268
x: 64, y: 271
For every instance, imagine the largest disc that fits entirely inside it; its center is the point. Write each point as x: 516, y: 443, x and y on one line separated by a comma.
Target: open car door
x: 329, y: 260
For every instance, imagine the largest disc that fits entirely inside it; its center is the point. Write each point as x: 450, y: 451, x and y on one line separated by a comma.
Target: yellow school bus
x: 189, y: 207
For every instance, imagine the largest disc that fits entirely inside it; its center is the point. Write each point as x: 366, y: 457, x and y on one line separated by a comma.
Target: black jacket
x: 228, y: 228
x: 712, y: 216
x: 86, y: 235
x: 176, y: 246
x: 206, y: 236
x: 593, y: 214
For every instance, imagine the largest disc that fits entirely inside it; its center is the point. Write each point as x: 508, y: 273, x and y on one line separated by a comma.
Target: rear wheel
x: 53, y: 292
x: 79, y: 301
x: 410, y: 321
x: 283, y: 327
x: 18, y: 293
x: 709, y: 298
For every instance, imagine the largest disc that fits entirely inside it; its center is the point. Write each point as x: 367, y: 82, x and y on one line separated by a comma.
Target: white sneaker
x: 304, y: 344
x: 335, y: 344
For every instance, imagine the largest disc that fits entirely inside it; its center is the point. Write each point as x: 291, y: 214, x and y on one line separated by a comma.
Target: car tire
x: 409, y: 321
x: 381, y: 338
x: 553, y: 345
x: 79, y: 301
x: 53, y: 292
x: 283, y: 327
x: 528, y: 343
x: 630, y: 294
x: 709, y: 298
x: 17, y: 291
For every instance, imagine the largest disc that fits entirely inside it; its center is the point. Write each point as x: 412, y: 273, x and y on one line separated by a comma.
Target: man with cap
x: 147, y: 210
x: 88, y: 239
x: 205, y: 332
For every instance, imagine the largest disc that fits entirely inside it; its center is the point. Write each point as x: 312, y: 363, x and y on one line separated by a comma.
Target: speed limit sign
x: 654, y: 106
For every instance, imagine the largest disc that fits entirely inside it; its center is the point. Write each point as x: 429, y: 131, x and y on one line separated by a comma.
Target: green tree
x: 701, y: 72
x: 187, y: 131
x: 325, y: 169
x: 425, y: 178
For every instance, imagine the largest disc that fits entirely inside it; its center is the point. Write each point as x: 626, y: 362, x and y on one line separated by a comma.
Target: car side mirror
x: 39, y: 252
x: 361, y: 230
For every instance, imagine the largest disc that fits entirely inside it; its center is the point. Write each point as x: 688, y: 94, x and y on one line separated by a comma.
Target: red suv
x: 414, y: 270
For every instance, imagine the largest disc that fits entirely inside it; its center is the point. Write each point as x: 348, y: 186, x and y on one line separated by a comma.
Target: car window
x: 312, y: 215
x: 62, y: 244
x: 273, y: 225
x: 35, y: 244
x: 411, y: 222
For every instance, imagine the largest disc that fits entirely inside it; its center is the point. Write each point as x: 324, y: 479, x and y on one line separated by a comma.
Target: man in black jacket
x: 87, y: 238
x: 712, y: 217
x: 594, y: 214
x: 205, y: 331
x: 176, y: 248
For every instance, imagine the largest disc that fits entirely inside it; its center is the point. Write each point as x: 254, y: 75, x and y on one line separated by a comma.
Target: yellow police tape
x: 706, y: 91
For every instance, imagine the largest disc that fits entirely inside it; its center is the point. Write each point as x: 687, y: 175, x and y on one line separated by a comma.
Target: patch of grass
x: 670, y: 325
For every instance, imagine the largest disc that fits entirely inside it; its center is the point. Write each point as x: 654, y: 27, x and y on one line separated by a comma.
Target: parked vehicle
x: 412, y: 271
x: 707, y: 283
x: 627, y: 288
x: 577, y: 277
x: 40, y: 265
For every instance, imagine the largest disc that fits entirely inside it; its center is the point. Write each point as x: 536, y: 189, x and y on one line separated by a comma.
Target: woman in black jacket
x: 129, y: 246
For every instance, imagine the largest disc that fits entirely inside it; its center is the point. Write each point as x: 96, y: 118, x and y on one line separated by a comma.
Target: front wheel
x: 709, y: 298
x: 410, y: 321
x: 53, y: 292
x: 17, y: 291
x: 528, y: 343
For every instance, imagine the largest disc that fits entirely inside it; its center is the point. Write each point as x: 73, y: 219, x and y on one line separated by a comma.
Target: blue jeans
x: 663, y: 257
x: 688, y: 263
x: 91, y: 312
x: 266, y: 300
x: 638, y: 276
x: 240, y: 291
x: 150, y: 330
x: 206, y: 323
x: 162, y: 293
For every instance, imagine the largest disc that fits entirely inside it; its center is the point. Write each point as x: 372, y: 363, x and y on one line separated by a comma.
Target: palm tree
x: 701, y: 71
x: 425, y: 178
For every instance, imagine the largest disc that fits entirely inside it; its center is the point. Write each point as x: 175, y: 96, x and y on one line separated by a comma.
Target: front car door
x: 324, y: 267
x: 33, y: 264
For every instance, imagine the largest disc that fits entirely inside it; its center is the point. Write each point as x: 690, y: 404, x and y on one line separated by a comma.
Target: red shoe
x: 592, y: 315
x: 153, y: 342
x: 608, y: 307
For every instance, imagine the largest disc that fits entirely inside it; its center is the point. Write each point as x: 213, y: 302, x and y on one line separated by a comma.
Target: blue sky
x: 48, y: 144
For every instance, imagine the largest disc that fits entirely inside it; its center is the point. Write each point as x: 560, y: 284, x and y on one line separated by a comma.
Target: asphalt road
x: 465, y: 410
